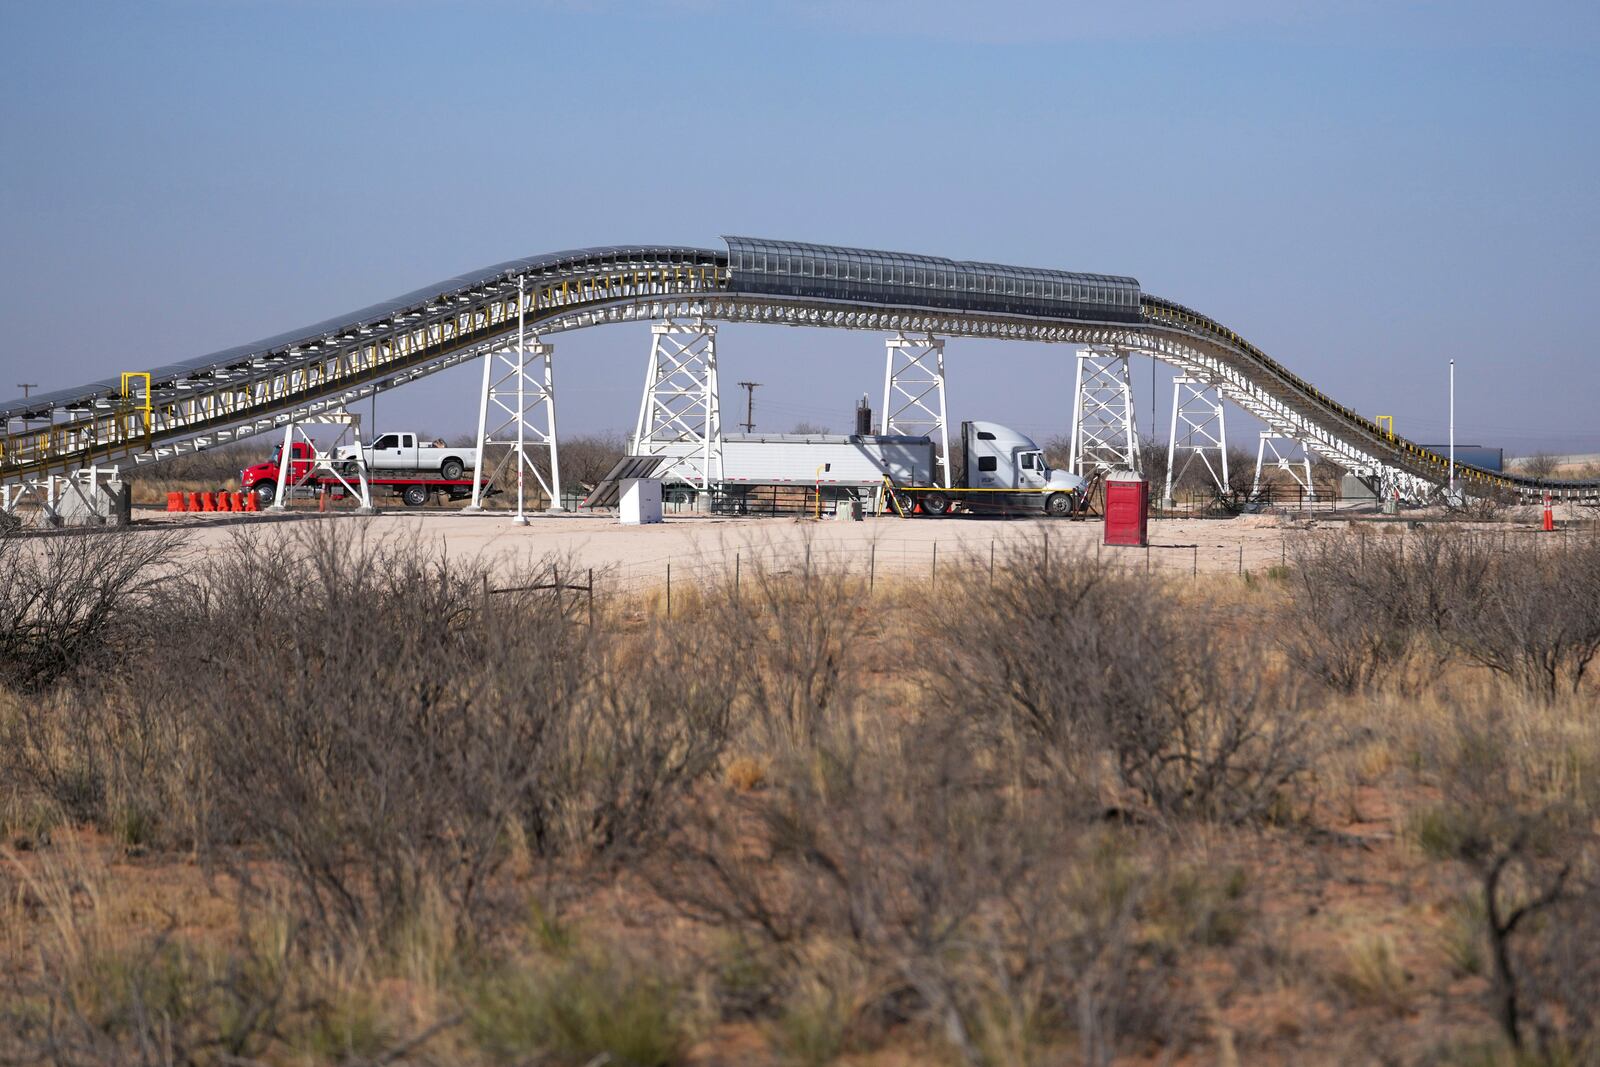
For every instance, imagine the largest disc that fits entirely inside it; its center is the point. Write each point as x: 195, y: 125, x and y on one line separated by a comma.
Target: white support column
x: 324, y: 461
x: 1105, y: 433
x: 1198, y: 429
x: 913, y: 391
x: 1287, y: 454
x: 280, y: 489
x: 517, y: 409
x: 680, y: 413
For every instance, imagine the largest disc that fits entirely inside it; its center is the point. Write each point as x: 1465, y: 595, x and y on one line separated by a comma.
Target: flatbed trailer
x: 413, y: 490
x: 937, y: 501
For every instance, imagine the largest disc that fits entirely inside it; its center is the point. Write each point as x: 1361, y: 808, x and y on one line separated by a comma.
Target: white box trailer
x: 834, y: 461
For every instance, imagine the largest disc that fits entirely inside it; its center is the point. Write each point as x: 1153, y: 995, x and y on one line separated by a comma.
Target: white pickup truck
x: 403, y: 452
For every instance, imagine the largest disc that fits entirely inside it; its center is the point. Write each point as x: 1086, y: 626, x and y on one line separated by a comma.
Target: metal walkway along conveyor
x: 150, y: 414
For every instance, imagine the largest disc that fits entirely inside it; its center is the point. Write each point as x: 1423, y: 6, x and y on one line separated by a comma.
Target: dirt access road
x: 694, y: 545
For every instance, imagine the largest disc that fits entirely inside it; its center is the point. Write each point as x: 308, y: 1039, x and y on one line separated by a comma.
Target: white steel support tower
x: 517, y: 409
x: 1105, y: 435
x: 1198, y: 430
x: 322, y: 460
x: 913, y: 391
x: 1287, y: 454
x: 681, y: 404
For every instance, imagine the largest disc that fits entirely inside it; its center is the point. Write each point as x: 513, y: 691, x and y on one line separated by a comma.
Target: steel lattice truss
x: 682, y: 404
x: 1288, y: 455
x: 517, y: 410
x: 913, y: 392
x: 254, y: 389
x: 1105, y: 433
x: 1199, y: 430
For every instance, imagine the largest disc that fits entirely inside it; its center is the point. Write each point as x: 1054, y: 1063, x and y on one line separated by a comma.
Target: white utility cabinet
x: 641, y: 501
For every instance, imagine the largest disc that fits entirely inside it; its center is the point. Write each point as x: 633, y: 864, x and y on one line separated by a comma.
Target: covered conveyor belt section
x: 154, y: 413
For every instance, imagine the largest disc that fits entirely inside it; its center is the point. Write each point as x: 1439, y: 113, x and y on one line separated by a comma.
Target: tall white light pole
x: 1452, y: 432
x: 522, y: 384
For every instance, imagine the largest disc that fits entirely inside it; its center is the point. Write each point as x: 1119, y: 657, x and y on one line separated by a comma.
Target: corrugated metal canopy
x: 738, y: 244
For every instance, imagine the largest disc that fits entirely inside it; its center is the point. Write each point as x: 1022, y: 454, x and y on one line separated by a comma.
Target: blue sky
x: 1363, y: 189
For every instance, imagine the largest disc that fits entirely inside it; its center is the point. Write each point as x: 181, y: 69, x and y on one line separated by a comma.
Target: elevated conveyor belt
x: 230, y: 395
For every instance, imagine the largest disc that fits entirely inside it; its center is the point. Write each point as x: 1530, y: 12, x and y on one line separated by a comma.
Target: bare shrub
x: 1531, y: 615
x: 587, y: 458
x: 392, y: 724
x: 112, y: 752
x: 1515, y: 814
x: 1065, y: 666
x: 69, y: 598
x: 1538, y: 465
x: 653, y: 720
x: 392, y: 716
x: 1364, y: 609
x: 901, y: 882
x: 800, y: 641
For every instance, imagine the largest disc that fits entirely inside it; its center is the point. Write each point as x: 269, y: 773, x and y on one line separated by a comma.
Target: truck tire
x: 265, y: 492
x: 935, y: 504
x: 450, y: 470
x: 415, y: 496
x: 1059, y: 505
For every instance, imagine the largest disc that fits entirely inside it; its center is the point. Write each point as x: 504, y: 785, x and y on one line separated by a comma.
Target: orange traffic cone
x: 224, y: 501
x: 195, y: 502
x: 208, y: 502
x: 1549, y: 515
x: 252, y: 502
x: 174, y: 501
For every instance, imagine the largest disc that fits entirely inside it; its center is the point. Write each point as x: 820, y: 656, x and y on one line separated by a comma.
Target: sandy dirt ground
x: 698, y: 546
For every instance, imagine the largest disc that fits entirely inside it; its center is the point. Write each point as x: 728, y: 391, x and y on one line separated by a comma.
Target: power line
x: 27, y: 388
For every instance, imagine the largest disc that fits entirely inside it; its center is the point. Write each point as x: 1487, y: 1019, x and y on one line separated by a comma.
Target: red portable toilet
x: 1127, y: 509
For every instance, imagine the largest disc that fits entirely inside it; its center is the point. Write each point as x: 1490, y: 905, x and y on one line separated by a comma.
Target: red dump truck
x: 413, y: 487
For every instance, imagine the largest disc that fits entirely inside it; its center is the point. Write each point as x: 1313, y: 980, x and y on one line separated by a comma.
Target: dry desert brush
x: 1367, y: 610
x: 69, y: 599
x: 1093, y: 680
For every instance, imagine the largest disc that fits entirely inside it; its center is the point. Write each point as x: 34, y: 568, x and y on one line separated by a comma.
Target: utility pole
x: 749, y: 422
x: 27, y: 388
x: 1451, y: 495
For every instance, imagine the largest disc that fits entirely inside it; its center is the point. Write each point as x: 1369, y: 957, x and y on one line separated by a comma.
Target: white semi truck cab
x: 1001, y: 458
x: 1005, y: 472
